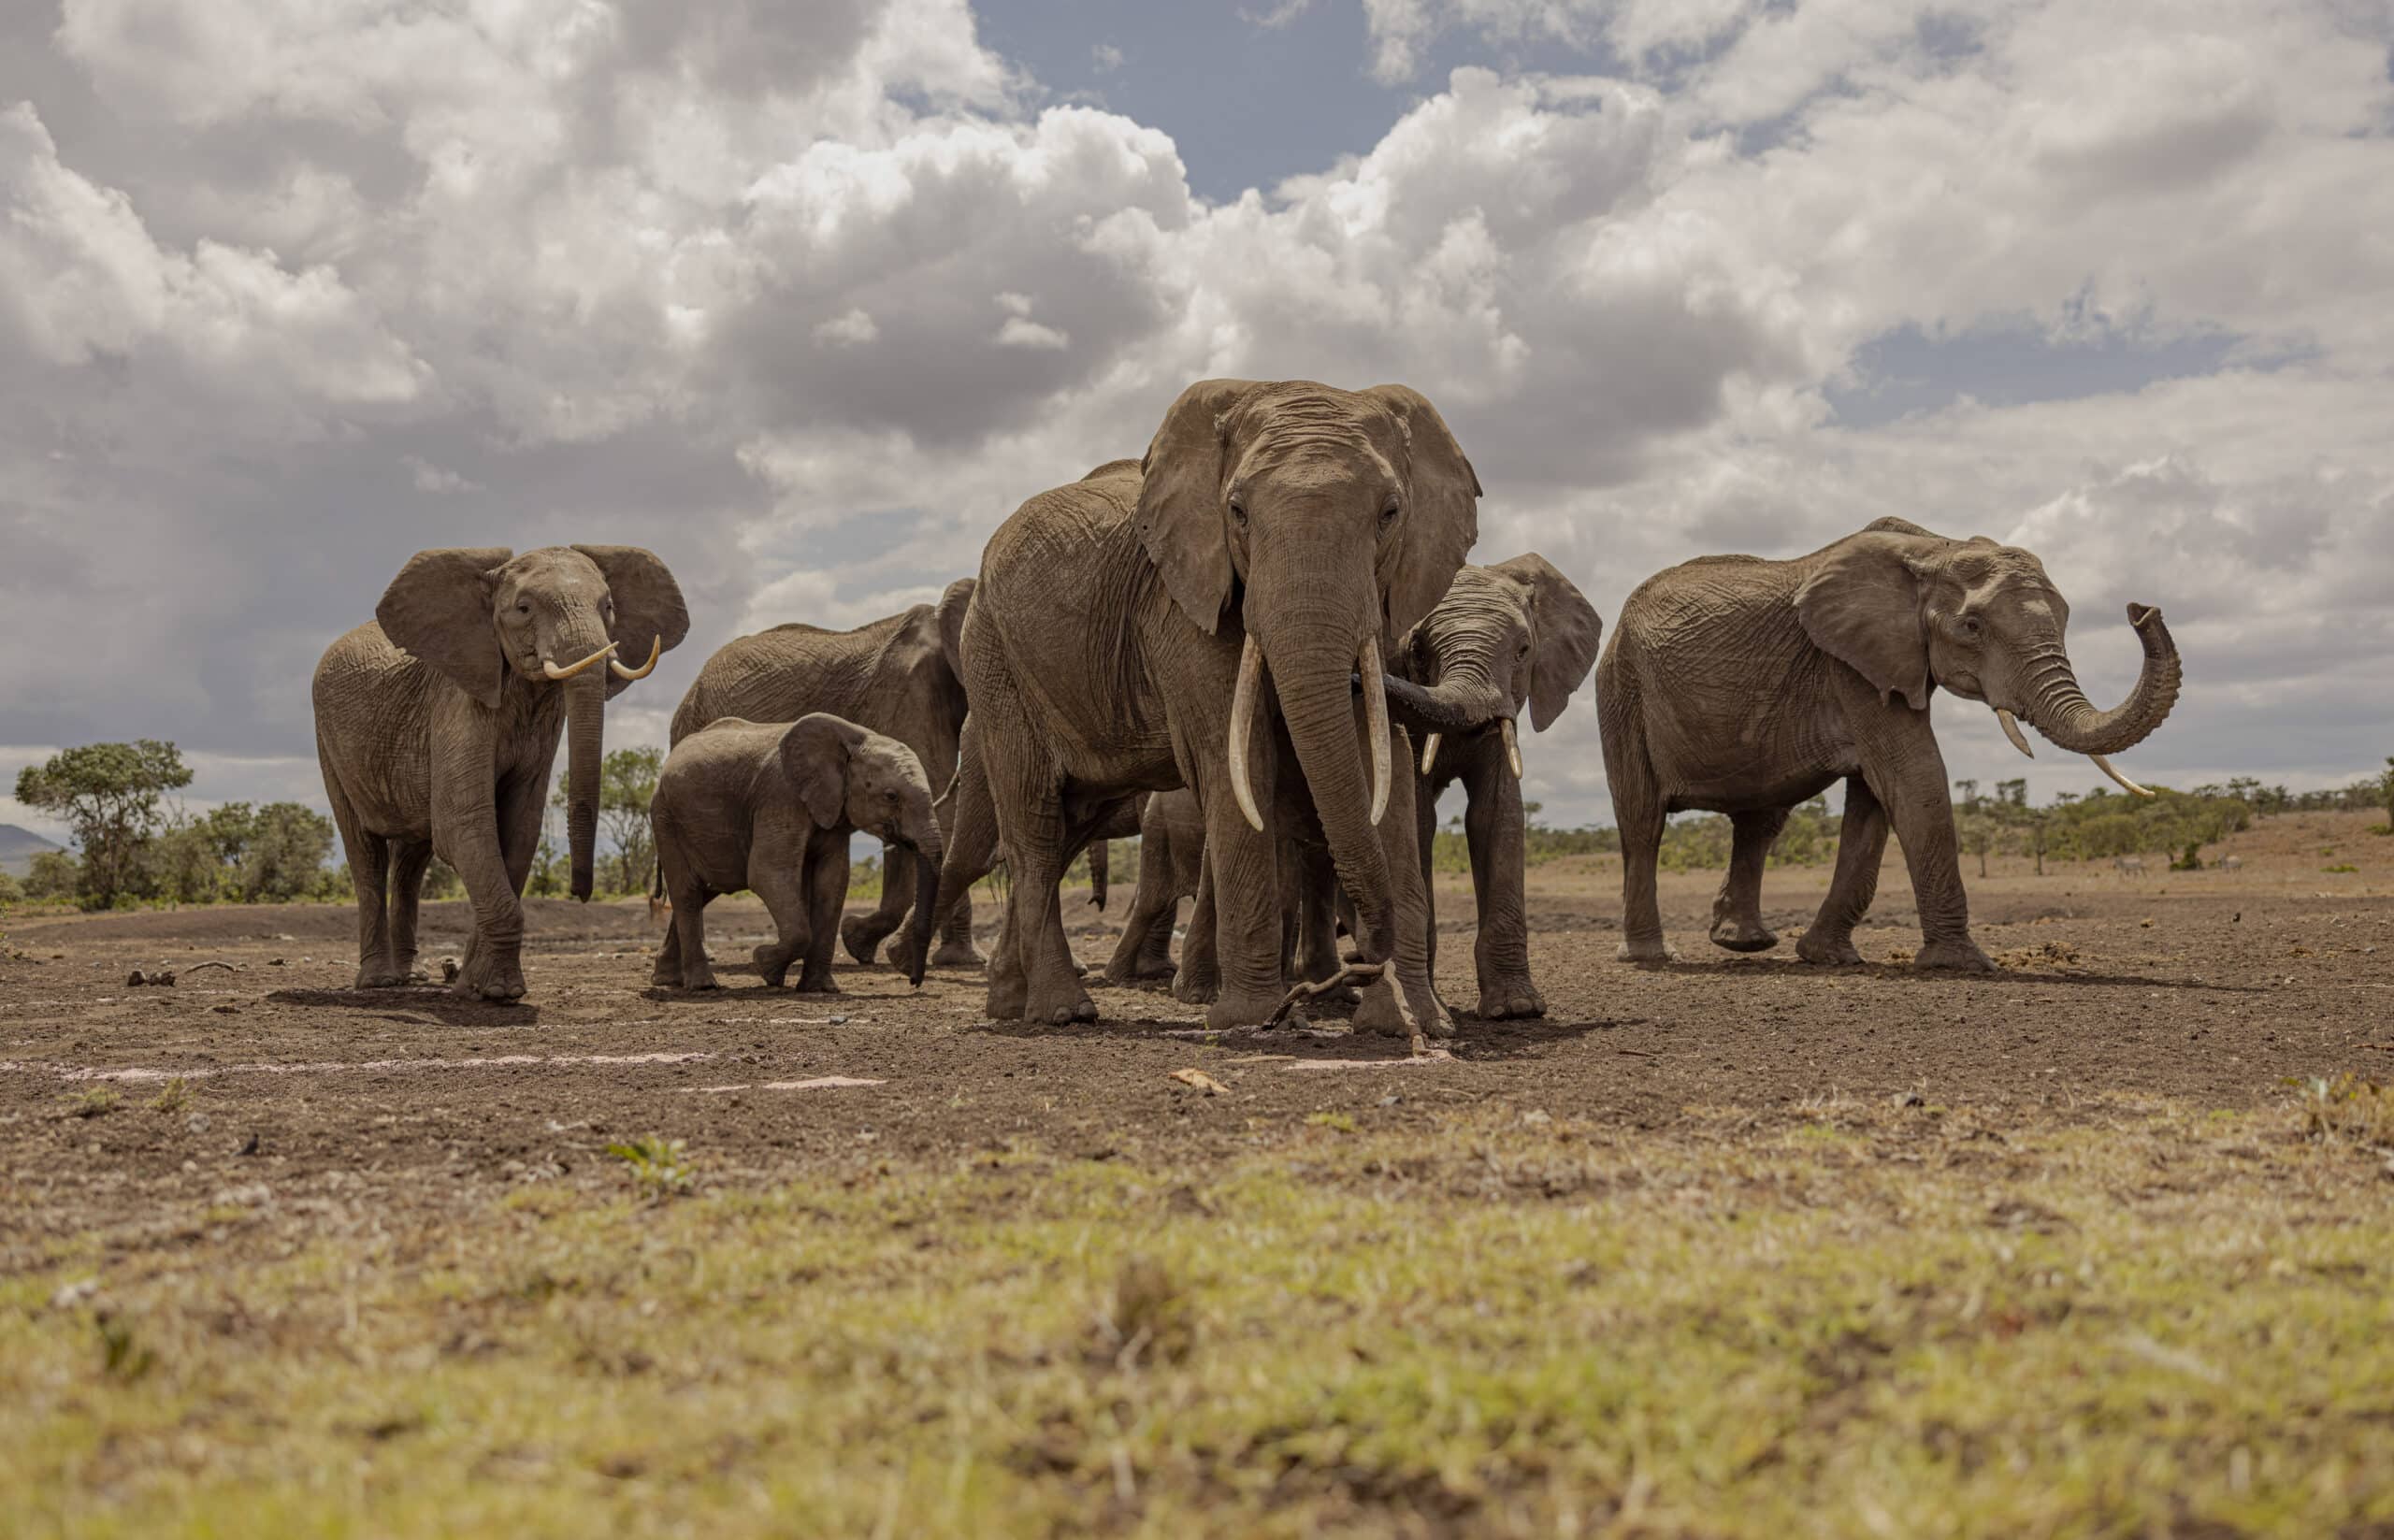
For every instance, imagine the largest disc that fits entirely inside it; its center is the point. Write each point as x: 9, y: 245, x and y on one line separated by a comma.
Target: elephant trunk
x: 1457, y: 704
x: 2060, y: 709
x: 585, y: 711
x: 926, y: 918
x: 1100, y: 871
x: 1312, y: 663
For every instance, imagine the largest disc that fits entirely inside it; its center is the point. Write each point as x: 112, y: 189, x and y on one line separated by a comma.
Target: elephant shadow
x: 1905, y: 973
x: 1475, y: 1041
x: 414, y: 1005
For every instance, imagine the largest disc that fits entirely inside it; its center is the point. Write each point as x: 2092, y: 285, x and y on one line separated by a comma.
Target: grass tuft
x: 660, y: 1168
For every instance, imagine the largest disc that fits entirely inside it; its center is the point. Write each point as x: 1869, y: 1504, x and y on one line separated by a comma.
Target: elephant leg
x: 681, y: 959
x: 1639, y: 811
x: 826, y: 883
x: 861, y: 933
x: 369, y: 875
x: 409, y: 859
x: 1921, y: 812
x: 971, y: 839
x: 1316, y: 889
x: 1038, y: 983
x: 1150, y: 905
x: 1398, y: 1004
x: 1243, y: 877
x: 1495, y: 828
x: 1737, y: 910
x: 786, y: 886
x: 466, y: 834
x: 1199, y: 976
x: 1862, y: 840
x: 1155, y: 951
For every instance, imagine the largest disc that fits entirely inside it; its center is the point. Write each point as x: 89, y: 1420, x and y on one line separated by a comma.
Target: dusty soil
x: 2207, y: 987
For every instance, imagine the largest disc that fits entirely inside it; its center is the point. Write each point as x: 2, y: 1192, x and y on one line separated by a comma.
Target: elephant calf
x: 769, y: 806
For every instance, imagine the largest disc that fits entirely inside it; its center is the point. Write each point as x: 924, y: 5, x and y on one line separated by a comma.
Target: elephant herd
x: 1260, y: 647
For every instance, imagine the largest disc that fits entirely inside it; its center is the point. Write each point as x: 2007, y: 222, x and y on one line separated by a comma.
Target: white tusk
x: 1250, y: 669
x: 1375, y: 724
x: 570, y: 671
x: 2011, y: 731
x: 2126, y: 785
x: 1430, y: 751
x: 655, y: 650
x: 1512, y: 749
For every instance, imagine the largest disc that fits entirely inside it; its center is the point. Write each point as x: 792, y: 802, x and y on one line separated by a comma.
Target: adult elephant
x: 1198, y: 617
x: 1745, y: 686
x: 436, y: 723
x: 896, y: 676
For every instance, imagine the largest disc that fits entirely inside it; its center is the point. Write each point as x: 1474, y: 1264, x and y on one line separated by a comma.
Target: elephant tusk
x: 1243, y: 702
x: 2011, y: 731
x: 655, y: 650
x: 1375, y: 726
x: 2126, y: 785
x: 568, y: 672
x: 1512, y: 748
x: 1430, y: 751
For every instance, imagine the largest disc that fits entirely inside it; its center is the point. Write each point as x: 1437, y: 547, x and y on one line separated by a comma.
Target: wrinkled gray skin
x: 1745, y: 686
x: 1523, y: 626
x: 769, y: 807
x: 1102, y: 648
x: 436, y: 728
x: 896, y: 676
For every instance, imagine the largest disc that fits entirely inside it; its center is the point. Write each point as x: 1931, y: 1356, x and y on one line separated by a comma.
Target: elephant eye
x: 522, y: 607
x: 1967, y: 627
x: 891, y: 796
x: 1238, y: 512
x: 1388, y: 514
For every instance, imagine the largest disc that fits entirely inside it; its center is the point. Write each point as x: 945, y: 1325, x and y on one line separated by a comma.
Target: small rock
x: 449, y: 970
x: 1537, y: 1117
x: 227, y: 1010
x: 1391, y: 1099
x: 249, y: 1147
x: 837, y: 1021
x: 74, y: 1293
x: 1908, y: 1099
x: 134, y: 980
x: 196, y: 1123
x: 275, y: 962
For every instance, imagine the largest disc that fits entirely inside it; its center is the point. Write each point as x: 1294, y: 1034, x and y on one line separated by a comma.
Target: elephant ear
x: 1861, y: 604
x: 1442, y: 513
x: 438, y: 609
x: 649, y: 610
x: 815, y: 756
x: 1180, y: 517
x: 1567, y: 632
x: 952, y: 606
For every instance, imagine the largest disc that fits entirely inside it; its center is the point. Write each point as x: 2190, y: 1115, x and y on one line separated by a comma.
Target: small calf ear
x: 815, y: 755
x: 438, y: 609
x: 1567, y: 632
x: 1861, y: 604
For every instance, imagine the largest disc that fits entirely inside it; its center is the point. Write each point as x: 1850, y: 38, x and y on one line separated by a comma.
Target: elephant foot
x: 666, y: 976
x: 771, y: 965
x: 1509, y: 1000
x: 1962, y: 957
x: 378, y: 978
x: 1655, y: 950
x: 811, y: 983
x: 959, y: 954
x: 1384, y: 1013
x: 484, y: 979
x: 1819, y: 946
x: 1005, y: 1001
x: 861, y: 934
x: 1198, y: 987
x: 1063, y: 1008
x: 1233, y: 1008
x: 1743, y: 933
x: 698, y: 984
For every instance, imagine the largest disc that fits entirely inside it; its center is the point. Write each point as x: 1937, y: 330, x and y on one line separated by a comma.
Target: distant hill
x: 18, y: 848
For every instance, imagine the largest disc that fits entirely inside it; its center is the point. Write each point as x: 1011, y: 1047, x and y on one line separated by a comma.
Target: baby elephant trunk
x: 926, y: 916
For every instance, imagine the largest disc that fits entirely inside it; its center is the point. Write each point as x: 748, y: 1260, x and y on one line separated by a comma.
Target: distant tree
x: 113, y: 796
x: 282, y: 859
x: 1978, y: 829
x: 9, y: 891
x: 441, y: 882
x: 626, y: 782
x: 52, y: 876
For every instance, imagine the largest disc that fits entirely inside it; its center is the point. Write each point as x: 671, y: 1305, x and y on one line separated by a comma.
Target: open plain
x: 2100, y: 1243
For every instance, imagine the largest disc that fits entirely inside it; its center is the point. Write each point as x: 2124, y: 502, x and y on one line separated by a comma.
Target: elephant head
x: 1334, y: 520
x: 550, y: 616
x: 847, y: 776
x: 1911, y: 612
x: 1519, y: 626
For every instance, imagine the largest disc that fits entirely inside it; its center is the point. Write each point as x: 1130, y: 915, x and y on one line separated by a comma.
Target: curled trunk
x: 1458, y: 705
x: 2060, y: 709
x: 585, y: 709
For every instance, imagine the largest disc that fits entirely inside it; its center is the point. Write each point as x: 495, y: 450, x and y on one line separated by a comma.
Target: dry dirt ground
x: 133, y: 1120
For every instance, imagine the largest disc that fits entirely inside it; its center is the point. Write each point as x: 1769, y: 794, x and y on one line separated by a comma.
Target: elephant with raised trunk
x: 1199, y: 618
x: 1745, y: 686
x: 437, y: 721
x: 768, y: 808
x: 895, y: 676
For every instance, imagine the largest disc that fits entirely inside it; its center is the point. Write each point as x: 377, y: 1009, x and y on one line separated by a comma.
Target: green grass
x: 1864, y: 1320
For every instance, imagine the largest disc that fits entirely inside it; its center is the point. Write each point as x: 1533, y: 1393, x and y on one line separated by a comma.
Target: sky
x: 807, y: 298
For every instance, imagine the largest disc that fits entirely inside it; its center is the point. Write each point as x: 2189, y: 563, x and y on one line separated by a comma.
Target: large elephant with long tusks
x: 1199, y: 617
x: 1743, y: 686
x: 437, y: 723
